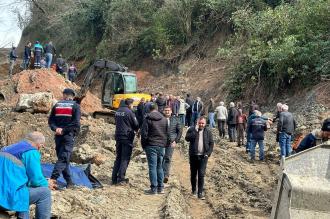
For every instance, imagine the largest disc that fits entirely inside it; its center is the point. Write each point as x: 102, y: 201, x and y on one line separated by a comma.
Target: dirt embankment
x: 43, y: 80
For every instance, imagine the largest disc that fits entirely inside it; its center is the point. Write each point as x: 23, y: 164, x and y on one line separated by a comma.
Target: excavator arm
x: 96, y: 70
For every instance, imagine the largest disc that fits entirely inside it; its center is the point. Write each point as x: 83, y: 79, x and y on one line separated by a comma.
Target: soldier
x: 64, y: 120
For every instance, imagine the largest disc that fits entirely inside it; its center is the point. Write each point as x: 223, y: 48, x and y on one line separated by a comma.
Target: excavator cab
x: 117, y: 86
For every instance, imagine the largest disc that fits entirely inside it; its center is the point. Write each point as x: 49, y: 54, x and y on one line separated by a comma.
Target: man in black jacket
x: 161, y: 102
x: 64, y: 120
x: 154, y: 140
x: 174, y: 135
x: 126, y: 126
x: 140, y: 111
x: 197, y: 109
x: 190, y: 102
x: 232, y: 122
x: 27, y: 55
x: 200, y: 149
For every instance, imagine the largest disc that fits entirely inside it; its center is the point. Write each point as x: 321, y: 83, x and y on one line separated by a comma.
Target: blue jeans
x: 26, y: 63
x: 211, y: 120
x: 41, y: 197
x: 49, y: 59
x: 195, y: 116
x: 248, y: 141
x: 285, y: 144
x: 155, y: 155
x: 253, y: 149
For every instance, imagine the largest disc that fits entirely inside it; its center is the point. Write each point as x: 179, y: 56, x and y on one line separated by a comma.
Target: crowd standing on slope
x: 159, y: 123
x: 42, y: 56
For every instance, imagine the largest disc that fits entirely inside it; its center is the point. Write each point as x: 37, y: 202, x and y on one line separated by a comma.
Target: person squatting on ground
x: 154, y: 139
x: 232, y: 122
x: 27, y: 55
x: 211, y: 110
x: 37, y: 50
x: 22, y: 181
x: 285, y: 127
x: 64, y: 120
x: 241, y: 127
x: 257, y: 128
x: 222, y: 116
x: 50, y: 50
x: 197, y: 109
x: 126, y: 127
x: 12, y: 59
x: 174, y: 135
x: 200, y: 149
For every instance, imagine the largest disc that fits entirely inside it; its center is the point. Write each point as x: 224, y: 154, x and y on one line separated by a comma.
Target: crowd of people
x: 159, y: 124
x: 42, y: 56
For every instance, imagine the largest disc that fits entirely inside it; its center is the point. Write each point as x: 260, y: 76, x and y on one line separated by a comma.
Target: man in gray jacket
x: 174, y: 134
x: 286, y: 127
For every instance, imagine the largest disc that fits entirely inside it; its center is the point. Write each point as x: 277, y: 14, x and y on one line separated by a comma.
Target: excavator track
x: 108, y: 116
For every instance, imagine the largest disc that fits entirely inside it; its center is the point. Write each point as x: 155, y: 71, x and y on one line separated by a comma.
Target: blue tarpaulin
x: 78, y: 176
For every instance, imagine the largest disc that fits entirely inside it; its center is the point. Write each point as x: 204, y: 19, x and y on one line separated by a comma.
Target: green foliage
x: 282, y: 45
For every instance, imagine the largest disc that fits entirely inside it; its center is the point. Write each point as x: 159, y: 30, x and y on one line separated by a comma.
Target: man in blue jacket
x: 21, y: 179
x: 126, y: 126
x: 257, y: 128
x: 38, y: 50
x: 64, y: 120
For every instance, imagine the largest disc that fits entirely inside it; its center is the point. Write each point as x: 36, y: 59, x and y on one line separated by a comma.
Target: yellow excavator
x: 117, y: 84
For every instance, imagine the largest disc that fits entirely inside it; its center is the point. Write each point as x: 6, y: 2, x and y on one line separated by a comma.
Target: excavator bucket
x: 304, y: 186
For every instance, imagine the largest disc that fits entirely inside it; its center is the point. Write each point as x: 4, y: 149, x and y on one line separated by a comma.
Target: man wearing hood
x: 126, y: 126
x: 154, y: 140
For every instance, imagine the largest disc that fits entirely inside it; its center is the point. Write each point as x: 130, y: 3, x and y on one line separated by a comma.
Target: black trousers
x: 64, y: 147
x: 198, y: 165
x: 188, y: 118
x: 167, y: 161
x: 221, y: 127
x: 124, y: 150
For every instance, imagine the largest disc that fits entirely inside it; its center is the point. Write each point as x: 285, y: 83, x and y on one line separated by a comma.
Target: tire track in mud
x: 195, y: 208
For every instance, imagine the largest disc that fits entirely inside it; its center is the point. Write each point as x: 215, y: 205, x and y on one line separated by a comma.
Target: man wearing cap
x: 64, y: 120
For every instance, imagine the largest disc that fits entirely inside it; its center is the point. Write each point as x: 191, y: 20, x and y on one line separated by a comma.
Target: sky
x: 10, y: 33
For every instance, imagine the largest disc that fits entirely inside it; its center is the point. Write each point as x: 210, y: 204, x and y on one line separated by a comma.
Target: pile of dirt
x: 44, y: 80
